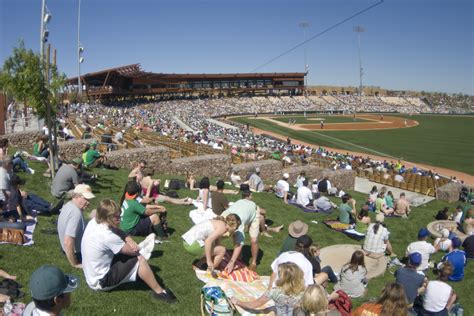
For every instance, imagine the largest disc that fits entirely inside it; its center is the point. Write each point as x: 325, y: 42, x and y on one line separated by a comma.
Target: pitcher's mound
x: 338, y: 255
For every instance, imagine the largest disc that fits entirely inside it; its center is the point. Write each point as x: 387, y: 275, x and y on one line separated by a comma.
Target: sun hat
x: 84, y: 190
x: 297, y: 229
x: 48, y: 282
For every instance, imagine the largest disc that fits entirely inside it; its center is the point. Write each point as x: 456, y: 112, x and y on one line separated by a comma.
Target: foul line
x: 355, y: 145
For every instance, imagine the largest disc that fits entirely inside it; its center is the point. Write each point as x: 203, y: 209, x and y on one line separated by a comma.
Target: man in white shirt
x: 423, y: 247
x: 304, y: 196
x: 297, y: 258
x: 282, y: 188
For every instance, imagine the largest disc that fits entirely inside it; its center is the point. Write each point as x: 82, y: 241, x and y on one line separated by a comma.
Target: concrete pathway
x: 363, y: 185
x: 222, y: 124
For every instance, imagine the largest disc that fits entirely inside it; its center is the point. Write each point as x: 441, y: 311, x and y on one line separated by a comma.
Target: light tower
x: 44, y: 33
x: 80, y: 51
x: 304, y: 25
x: 359, y: 29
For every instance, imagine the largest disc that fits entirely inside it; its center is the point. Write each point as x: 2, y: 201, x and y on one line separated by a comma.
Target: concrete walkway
x: 182, y: 124
x: 221, y: 124
x: 363, y: 185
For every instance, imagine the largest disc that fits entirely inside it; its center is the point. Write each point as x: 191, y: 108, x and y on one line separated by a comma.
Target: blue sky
x: 408, y: 44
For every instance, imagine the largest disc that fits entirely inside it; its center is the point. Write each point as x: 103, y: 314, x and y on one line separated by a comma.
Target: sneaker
x: 30, y: 171
x: 146, y: 246
x: 166, y: 296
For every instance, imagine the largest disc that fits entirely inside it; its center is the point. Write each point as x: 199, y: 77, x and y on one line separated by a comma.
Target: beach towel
x: 346, y: 229
x: 244, y: 291
x: 30, y: 226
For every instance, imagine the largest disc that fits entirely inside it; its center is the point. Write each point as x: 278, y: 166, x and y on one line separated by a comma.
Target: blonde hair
x: 314, y: 249
x: 231, y: 220
x: 314, y: 301
x: 290, y: 278
x: 106, y: 211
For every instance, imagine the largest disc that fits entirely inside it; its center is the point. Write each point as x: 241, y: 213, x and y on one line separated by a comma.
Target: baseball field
x: 435, y: 140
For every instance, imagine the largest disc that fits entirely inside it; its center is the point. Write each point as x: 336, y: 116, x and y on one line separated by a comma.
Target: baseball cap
x: 257, y: 169
x: 456, y: 242
x: 415, y: 258
x: 84, y: 190
x: 286, y: 175
x: 48, y: 282
x: 445, y: 233
x: 423, y: 233
x: 77, y: 161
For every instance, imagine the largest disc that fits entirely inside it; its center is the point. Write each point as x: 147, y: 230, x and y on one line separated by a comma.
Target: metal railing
x: 23, y: 124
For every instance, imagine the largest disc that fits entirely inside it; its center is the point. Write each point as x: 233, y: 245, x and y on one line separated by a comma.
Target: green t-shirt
x: 378, y: 205
x: 389, y: 201
x: 289, y: 244
x: 344, y: 213
x: 91, y: 156
x: 36, y: 150
x: 132, y: 211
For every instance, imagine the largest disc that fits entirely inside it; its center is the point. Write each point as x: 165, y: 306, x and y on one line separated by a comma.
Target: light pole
x: 80, y: 50
x: 359, y: 29
x: 304, y: 25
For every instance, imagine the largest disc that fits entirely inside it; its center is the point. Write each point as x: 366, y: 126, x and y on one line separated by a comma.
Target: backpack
x: 343, y: 304
x: 11, y: 288
x: 174, y: 185
x: 214, y: 302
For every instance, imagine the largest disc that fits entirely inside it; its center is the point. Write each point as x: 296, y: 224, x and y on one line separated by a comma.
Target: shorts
x: 254, y: 228
x: 143, y: 227
x: 122, y: 270
x: 194, y: 249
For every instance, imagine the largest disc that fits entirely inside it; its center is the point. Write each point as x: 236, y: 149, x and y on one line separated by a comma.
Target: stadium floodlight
x: 81, y: 60
x: 44, y: 33
x: 80, y: 50
x: 304, y: 25
x: 359, y: 29
x: 45, y: 36
x: 47, y: 17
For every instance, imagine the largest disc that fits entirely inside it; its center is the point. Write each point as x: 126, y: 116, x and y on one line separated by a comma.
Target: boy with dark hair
x: 139, y: 220
x: 51, y: 291
x: 219, y: 201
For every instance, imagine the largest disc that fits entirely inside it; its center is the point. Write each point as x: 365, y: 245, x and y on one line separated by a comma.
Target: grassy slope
x: 443, y: 141
x: 173, y: 265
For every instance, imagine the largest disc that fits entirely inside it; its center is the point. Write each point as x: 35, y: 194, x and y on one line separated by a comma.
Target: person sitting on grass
x: 402, y: 207
x: 363, y: 219
x: 347, y: 211
x: 286, y: 294
x: 380, y: 205
x: 315, y: 301
x: 51, y: 291
x: 66, y: 178
x: 443, y: 243
x: 457, y: 258
x: 203, y: 238
x: 439, y: 295
x: 377, y: 242
x: 282, y: 188
x: 93, y: 158
x: 219, y: 200
x: 423, y: 247
x: 392, y: 301
x: 150, y: 187
x: 296, y: 229
x: 323, y: 204
x: 71, y: 224
x: 413, y: 282
x: 304, y: 196
x: 137, y: 219
x: 14, y: 206
x: 40, y: 148
x: 110, y: 261
x: 353, y: 276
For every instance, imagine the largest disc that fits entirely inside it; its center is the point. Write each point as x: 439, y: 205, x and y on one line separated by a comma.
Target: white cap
x: 286, y: 175
x: 445, y: 232
x: 84, y: 190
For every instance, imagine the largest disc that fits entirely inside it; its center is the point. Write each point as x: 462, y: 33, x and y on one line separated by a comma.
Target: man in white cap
x: 71, y: 224
x: 51, y: 291
x: 282, y: 188
x: 255, y: 182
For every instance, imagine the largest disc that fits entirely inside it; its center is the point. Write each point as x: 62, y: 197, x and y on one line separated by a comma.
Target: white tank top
x: 199, y: 233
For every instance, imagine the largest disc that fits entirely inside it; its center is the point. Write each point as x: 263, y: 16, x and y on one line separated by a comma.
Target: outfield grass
x: 173, y: 265
x: 316, y: 119
x: 444, y: 141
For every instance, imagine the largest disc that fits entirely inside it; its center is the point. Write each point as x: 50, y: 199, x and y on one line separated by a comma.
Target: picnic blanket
x: 244, y: 291
x: 30, y: 226
x: 309, y: 209
x: 346, y: 229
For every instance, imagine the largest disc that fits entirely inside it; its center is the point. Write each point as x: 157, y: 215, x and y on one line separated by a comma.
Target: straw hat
x: 297, y: 229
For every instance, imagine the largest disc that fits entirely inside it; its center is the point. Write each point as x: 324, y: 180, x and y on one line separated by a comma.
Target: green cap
x: 77, y: 161
x: 48, y: 282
